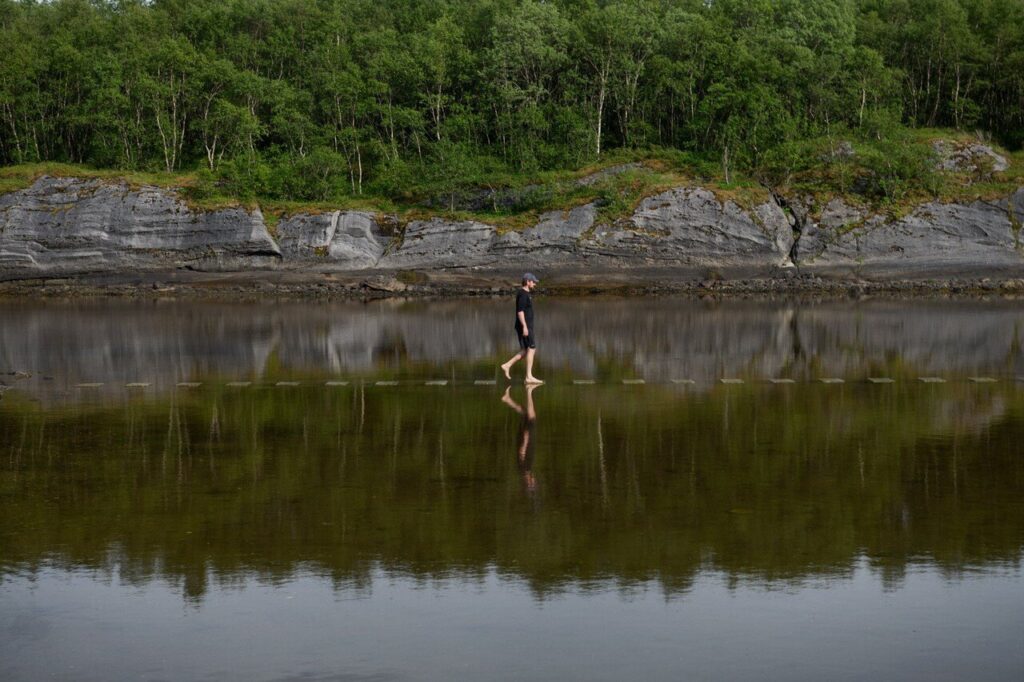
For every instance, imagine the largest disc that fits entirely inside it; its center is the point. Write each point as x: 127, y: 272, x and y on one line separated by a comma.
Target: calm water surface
x: 599, y: 531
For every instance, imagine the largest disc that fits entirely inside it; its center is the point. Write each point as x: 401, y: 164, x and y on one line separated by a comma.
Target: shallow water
x: 666, y: 530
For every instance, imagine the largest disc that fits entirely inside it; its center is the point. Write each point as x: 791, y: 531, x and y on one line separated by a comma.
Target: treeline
x: 316, y: 99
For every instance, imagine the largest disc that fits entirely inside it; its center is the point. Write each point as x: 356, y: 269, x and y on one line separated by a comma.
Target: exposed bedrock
x: 934, y: 239
x: 62, y: 226
x: 65, y: 225
x: 351, y: 237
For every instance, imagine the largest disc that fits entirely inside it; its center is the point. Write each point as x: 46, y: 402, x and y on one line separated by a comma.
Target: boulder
x: 968, y: 158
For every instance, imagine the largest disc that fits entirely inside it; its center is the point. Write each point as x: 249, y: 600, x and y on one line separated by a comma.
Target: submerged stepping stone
x: 583, y: 382
x: 239, y: 383
x: 485, y: 382
x: 287, y: 383
x: 335, y: 383
x: 89, y: 385
x: 437, y: 382
x: 386, y: 383
x: 189, y: 384
x: 982, y: 380
x: 137, y: 384
x: 832, y: 380
x: 782, y: 381
x: 685, y: 382
x: 633, y: 382
x: 881, y: 380
x: 932, y: 380
x: 731, y: 381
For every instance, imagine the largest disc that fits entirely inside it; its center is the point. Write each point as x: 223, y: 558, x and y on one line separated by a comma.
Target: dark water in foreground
x: 375, y: 532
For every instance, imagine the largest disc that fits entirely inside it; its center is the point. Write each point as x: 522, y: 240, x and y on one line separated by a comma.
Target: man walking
x: 525, y: 330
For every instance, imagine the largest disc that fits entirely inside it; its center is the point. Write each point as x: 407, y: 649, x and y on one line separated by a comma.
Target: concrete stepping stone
x: 832, y: 380
x: 138, y: 384
x: 386, y: 383
x: 782, y: 381
x: 437, y: 382
x: 89, y: 385
x: 633, y: 382
x: 731, y: 381
x: 287, y: 383
x: 189, y: 384
x: 485, y: 382
x: 684, y: 382
x: 239, y: 384
x: 335, y: 383
x: 583, y: 382
x: 982, y: 380
x: 881, y: 380
x: 932, y: 380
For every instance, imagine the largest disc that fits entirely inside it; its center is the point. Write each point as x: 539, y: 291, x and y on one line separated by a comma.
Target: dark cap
x: 530, y: 277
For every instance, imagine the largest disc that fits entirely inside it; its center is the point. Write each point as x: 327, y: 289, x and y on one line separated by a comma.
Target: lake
x: 741, y: 490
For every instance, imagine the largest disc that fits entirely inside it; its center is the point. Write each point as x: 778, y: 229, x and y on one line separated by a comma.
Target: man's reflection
x: 526, y: 443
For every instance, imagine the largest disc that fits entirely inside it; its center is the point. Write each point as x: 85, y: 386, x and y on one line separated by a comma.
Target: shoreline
x: 366, y: 285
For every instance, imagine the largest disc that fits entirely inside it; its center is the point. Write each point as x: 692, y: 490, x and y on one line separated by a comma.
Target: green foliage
x: 896, y: 167
x: 326, y: 100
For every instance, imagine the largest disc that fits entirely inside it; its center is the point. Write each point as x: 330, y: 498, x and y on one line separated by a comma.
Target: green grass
x: 811, y: 173
x: 13, y: 178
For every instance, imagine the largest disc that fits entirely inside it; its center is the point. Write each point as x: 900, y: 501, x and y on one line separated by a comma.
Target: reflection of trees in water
x: 646, y: 483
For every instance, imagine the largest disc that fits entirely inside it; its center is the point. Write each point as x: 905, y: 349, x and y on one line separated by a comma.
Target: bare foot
x: 533, y: 380
x: 505, y: 368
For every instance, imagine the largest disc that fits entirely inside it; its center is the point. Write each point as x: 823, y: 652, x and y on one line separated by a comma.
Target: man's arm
x: 522, y: 320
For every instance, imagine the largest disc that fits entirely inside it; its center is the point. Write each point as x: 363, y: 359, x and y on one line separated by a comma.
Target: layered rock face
x: 351, y: 237
x: 66, y: 225
x: 682, y: 227
x: 933, y: 240
x: 61, y: 226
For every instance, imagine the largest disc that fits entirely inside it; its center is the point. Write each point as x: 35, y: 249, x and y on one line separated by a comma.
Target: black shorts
x: 526, y: 342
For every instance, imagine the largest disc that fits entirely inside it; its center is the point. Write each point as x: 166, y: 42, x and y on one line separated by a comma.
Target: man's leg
x: 530, y: 379
x: 511, y: 361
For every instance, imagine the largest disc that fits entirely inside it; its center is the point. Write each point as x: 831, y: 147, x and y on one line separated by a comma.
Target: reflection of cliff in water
x: 764, y: 484
x: 164, y: 343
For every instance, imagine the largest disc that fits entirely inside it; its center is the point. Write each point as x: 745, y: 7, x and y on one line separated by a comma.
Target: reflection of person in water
x: 527, y: 441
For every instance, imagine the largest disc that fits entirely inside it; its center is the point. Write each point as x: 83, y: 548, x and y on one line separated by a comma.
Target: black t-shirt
x: 524, y: 304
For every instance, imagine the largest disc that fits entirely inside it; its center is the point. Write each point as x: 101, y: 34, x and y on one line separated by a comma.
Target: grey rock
x: 690, y: 225
x: 358, y: 240
x: 74, y: 225
x: 609, y: 172
x: 836, y: 218
x: 968, y: 158
x: 844, y: 150
x: 351, y: 239
x: 557, y: 233
x: 303, y: 234
x: 384, y: 283
x: 443, y: 244
x: 954, y: 239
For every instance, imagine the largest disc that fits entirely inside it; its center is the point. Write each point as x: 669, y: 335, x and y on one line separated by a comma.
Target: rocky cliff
x: 67, y: 226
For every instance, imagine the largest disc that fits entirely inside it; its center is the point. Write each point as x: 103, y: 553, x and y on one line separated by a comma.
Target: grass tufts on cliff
x: 889, y: 174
